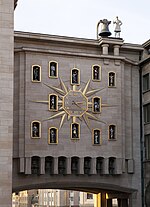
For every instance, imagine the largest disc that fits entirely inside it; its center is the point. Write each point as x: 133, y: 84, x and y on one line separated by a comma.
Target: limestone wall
x: 6, y: 100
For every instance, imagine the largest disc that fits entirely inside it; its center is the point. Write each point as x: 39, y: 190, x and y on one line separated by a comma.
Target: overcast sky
x: 78, y: 18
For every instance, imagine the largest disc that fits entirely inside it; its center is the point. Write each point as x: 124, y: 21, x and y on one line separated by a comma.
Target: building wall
x: 53, y: 197
x: 145, y: 86
x: 121, y: 107
x: 6, y: 105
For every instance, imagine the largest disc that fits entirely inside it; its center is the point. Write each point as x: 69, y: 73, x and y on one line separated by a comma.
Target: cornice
x: 48, y: 51
x: 146, y: 44
x: 145, y: 61
x: 74, y: 40
x: 37, y: 37
x: 53, y: 38
x: 129, y: 46
x: 111, y: 41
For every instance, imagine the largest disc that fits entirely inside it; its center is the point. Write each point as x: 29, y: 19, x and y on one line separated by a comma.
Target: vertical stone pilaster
x: 106, y: 163
x: 116, y: 50
x: 68, y: 165
x: 21, y: 165
x: 105, y: 49
x: 56, y: 165
x: 119, y: 166
x: 134, y: 200
x: 6, y: 100
x: 42, y: 165
x: 28, y: 166
x: 93, y: 166
x: 81, y: 166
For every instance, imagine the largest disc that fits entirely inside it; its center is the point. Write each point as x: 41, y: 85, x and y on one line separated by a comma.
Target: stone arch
x: 100, y: 165
x: 75, y: 165
x: 35, y: 165
x: 112, y: 165
x: 49, y: 165
x: 87, y: 165
x: 62, y: 165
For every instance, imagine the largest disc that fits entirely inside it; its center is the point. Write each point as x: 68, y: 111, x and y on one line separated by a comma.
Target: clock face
x: 75, y: 103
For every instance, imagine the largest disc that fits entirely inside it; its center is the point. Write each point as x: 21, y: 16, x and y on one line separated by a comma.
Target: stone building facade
x: 113, y: 163
x: 145, y: 127
x: 74, y: 115
x: 6, y: 100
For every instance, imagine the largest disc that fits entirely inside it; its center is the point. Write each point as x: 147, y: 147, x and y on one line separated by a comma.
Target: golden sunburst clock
x: 75, y: 103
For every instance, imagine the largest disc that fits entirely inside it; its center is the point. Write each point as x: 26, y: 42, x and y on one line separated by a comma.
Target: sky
x: 79, y: 18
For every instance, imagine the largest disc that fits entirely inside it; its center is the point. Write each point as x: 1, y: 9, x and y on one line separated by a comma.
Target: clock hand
x: 76, y: 103
x: 81, y: 102
x: 73, y: 102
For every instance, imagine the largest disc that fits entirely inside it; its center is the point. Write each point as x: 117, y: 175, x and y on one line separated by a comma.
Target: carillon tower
x: 70, y: 113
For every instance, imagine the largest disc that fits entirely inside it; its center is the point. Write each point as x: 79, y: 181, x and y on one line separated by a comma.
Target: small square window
x: 89, y: 196
x: 147, y: 146
x: 147, y: 113
x: 146, y: 82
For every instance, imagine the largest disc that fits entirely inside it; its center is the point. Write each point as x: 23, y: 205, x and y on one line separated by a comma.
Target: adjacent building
x: 144, y: 68
x: 53, y: 197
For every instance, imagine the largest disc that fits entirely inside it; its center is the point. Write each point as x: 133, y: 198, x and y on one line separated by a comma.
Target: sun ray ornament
x: 74, y: 103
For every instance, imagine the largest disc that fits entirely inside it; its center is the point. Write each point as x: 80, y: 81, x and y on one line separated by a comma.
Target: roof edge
x: 73, y: 40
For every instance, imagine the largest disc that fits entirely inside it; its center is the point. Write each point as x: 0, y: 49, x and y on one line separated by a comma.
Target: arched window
x: 35, y: 165
x: 96, y: 73
x: 36, y: 73
x: 75, y: 76
x: 111, y: 79
x: 112, y: 132
x: 52, y: 135
x: 53, y: 102
x: 35, y: 129
x: 62, y: 166
x: 53, y: 69
x: 96, y: 136
x: 75, y: 130
x: 99, y: 165
x: 74, y: 165
x: 87, y: 165
x: 96, y: 104
x: 112, y: 163
x: 49, y: 165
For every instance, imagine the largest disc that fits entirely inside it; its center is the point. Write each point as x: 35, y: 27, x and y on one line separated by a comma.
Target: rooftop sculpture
x: 105, y: 28
x: 118, y: 24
